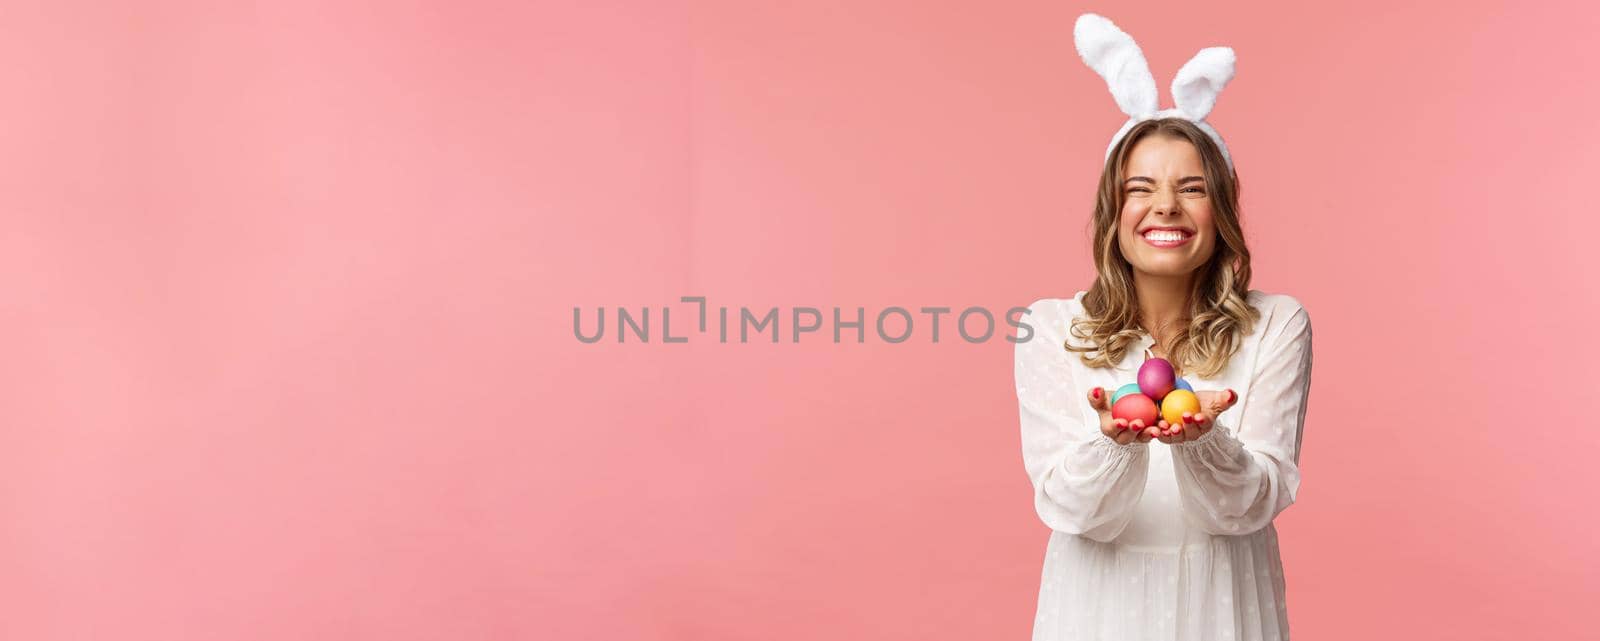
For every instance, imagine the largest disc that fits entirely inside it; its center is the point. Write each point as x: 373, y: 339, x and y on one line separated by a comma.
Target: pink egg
x: 1136, y: 406
x: 1156, y: 378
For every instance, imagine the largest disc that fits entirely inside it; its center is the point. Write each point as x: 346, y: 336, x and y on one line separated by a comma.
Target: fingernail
x: 1232, y: 395
x: 1097, y: 392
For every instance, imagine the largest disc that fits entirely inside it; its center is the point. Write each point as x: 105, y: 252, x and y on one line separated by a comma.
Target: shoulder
x: 1281, y: 314
x: 1052, y: 316
x: 1274, y: 302
x: 1049, y: 321
x: 1056, y: 307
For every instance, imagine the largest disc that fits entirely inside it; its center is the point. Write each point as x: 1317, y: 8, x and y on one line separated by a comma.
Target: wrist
x: 1135, y: 444
x: 1210, y: 435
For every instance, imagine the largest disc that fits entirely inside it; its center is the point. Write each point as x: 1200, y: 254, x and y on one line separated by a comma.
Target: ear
x: 1197, y: 84
x: 1117, y: 58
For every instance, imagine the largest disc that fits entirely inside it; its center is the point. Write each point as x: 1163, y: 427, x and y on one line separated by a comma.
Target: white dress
x: 1158, y: 541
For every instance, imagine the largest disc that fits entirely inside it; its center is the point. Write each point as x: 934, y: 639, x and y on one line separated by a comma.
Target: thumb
x: 1225, y: 399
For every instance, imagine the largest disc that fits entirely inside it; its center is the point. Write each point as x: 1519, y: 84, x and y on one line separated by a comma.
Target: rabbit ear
x: 1197, y: 84
x: 1117, y: 58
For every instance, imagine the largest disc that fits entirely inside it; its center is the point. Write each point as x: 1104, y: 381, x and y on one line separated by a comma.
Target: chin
x: 1167, y: 268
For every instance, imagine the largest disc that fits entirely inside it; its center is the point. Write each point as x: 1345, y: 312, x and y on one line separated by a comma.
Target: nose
x: 1165, y: 202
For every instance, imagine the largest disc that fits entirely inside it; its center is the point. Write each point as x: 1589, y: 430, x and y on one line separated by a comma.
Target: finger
x: 1147, y: 434
x: 1125, y: 437
x: 1191, y: 429
x: 1137, y: 425
x: 1097, y: 398
x: 1233, y: 397
x: 1121, y: 424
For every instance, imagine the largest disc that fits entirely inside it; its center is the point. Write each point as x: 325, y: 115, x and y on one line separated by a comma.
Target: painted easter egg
x: 1182, y: 384
x: 1135, y: 407
x: 1176, y: 403
x: 1130, y: 388
x: 1155, y: 378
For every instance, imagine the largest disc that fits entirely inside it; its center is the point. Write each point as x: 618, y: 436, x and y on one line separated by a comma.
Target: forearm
x: 1228, y: 488
x: 1091, y: 486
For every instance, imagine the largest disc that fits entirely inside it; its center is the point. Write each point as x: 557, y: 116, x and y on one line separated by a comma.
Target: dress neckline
x: 1140, y: 352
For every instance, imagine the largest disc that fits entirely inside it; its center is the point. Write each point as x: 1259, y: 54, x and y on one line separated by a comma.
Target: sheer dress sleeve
x: 1237, y: 477
x: 1084, y: 482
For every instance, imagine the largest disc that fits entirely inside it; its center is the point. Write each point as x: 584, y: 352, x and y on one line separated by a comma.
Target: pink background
x: 288, y: 295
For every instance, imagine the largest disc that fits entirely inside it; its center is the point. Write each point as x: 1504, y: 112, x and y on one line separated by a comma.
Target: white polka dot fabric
x: 1156, y: 541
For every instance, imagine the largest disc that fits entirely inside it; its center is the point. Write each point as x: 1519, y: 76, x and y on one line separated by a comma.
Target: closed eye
x: 1196, y: 190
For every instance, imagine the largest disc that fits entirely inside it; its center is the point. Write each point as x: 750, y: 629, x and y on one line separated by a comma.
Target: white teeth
x: 1162, y: 235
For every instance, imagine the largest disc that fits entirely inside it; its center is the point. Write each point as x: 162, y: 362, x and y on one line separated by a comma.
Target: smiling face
x: 1166, y: 227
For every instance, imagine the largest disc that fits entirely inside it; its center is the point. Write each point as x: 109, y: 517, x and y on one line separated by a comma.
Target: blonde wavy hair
x: 1218, y: 315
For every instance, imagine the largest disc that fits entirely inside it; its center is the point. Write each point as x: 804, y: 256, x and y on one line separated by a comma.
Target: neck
x: 1163, y: 302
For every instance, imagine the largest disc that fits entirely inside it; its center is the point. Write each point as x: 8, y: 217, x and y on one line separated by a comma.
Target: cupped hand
x: 1120, y: 430
x: 1195, y: 425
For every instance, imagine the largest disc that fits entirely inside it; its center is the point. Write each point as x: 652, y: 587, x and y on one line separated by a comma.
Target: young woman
x: 1165, y: 531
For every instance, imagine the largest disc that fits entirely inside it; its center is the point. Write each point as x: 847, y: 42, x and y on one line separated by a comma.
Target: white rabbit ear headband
x: 1116, y: 57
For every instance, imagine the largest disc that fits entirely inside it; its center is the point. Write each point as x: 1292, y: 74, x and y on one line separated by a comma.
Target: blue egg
x: 1130, y: 388
x: 1183, y: 384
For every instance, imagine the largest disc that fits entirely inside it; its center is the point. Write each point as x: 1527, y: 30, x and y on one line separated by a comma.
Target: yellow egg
x: 1176, y: 403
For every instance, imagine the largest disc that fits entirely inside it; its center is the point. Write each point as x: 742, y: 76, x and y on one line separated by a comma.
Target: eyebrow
x: 1181, y: 181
